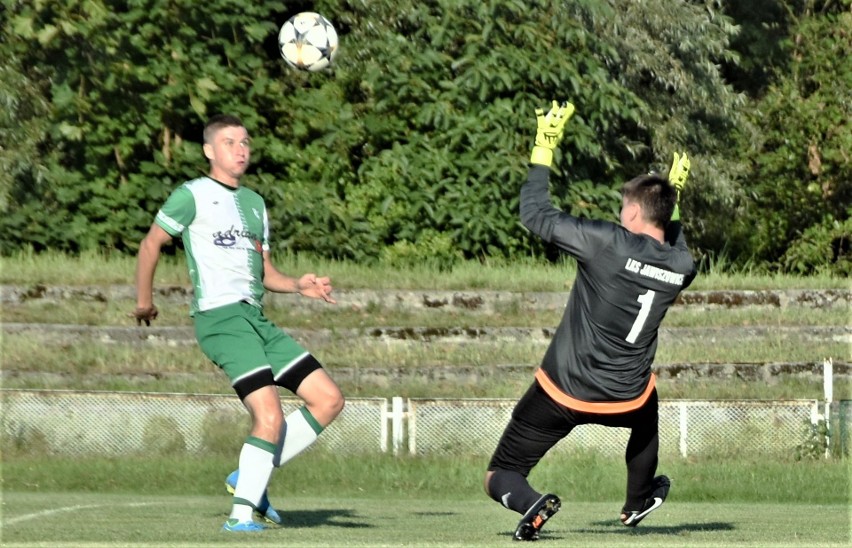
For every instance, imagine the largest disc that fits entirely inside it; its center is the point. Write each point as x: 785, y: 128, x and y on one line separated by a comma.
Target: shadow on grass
x: 322, y: 518
x: 543, y: 535
x: 610, y: 527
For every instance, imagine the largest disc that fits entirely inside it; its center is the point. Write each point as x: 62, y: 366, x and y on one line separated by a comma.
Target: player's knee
x: 326, y: 408
x: 332, y: 398
x: 487, y: 481
x: 269, y: 420
x: 335, y: 402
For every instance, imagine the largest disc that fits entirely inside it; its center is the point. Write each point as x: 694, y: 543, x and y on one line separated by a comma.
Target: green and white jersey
x: 224, y: 232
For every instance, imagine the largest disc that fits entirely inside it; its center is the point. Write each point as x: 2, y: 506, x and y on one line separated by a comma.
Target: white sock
x: 255, y: 470
x: 300, y: 431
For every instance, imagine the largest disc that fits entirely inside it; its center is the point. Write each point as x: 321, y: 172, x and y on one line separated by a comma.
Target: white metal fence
x: 113, y: 423
x: 686, y: 427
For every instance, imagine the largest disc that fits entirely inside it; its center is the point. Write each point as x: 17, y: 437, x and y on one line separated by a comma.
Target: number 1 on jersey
x: 645, y: 299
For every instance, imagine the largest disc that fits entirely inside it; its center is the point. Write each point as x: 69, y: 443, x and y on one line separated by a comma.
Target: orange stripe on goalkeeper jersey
x: 600, y: 408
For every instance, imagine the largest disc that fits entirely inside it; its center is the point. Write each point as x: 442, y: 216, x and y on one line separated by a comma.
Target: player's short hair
x: 654, y: 194
x: 217, y: 122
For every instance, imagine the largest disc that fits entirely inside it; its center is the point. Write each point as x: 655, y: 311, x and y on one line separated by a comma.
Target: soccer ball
x: 308, y: 41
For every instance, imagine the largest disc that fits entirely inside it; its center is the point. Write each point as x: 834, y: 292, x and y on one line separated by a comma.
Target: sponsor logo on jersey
x: 229, y: 237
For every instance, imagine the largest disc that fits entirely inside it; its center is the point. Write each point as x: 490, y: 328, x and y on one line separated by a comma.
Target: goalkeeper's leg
x: 645, y: 491
x: 537, y: 424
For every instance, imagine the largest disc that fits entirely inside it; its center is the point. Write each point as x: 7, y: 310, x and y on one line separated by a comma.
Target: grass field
x: 51, y: 519
x: 338, y: 500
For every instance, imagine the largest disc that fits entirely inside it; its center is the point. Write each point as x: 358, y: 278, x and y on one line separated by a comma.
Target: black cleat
x: 536, y: 517
x: 661, y: 485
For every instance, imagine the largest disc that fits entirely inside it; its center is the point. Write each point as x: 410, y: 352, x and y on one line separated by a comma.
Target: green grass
x: 51, y: 520
x: 523, y: 275
x: 398, y: 369
x: 115, y: 312
x: 84, y: 363
x: 319, y: 473
x: 405, y: 501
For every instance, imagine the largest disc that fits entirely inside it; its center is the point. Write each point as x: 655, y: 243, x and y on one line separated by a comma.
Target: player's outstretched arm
x: 309, y: 285
x: 146, y: 265
x: 536, y: 209
x: 678, y: 174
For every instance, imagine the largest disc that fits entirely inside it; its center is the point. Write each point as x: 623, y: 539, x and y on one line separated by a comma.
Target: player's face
x: 229, y: 154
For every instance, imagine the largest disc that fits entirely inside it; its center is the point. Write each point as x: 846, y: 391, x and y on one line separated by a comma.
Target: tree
x: 802, y: 171
x: 413, y: 148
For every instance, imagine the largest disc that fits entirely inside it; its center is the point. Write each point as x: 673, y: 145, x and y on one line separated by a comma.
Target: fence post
x: 828, y: 391
x: 397, y: 412
x: 384, y: 418
x: 682, y: 415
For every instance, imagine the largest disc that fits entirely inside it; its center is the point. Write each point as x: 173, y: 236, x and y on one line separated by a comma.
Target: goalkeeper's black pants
x: 538, y: 423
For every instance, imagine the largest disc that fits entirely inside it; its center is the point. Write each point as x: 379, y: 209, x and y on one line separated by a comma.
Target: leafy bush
x: 815, y: 446
x: 24, y: 442
x: 425, y: 125
x: 801, y: 183
x: 433, y: 249
x: 822, y: 249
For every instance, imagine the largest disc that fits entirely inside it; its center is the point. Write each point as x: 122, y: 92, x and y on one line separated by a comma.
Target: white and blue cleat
x: 265, y: 509
x: 236, y: 526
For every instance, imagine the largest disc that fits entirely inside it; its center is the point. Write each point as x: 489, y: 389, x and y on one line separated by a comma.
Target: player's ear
x: 632, y: 211
x: 208, y: 151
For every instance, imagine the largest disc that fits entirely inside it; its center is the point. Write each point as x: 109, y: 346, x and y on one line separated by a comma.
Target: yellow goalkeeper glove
x: 677, y: 177
x: 550, y: 130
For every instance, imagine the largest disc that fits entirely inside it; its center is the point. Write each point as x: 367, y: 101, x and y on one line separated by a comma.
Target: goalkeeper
x: 597, y: 368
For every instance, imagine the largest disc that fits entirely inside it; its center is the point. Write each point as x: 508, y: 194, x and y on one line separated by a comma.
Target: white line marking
x: 43, y: 513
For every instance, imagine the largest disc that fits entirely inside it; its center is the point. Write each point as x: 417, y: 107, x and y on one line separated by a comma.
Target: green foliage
x: 129, y: 86
x: 764, y: 26
x: 801, y: 186
x: 24, y: 442
x: 825, y: 248
x: 421, y: 133
x: 815, y: 446
x: 432, y: 249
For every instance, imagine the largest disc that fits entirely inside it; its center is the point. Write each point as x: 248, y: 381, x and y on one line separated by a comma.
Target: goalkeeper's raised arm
x: 678, y: 175
x: 537, y: 212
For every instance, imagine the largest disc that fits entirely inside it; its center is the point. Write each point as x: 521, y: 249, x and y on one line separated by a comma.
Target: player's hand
x: 145, y: 314
x: 679, y: 172
x: 316, y: 287
x: 551, y: 127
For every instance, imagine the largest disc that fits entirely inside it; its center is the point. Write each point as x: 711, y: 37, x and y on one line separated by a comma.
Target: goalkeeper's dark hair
x: 655, y: 194
x: 217, y: 122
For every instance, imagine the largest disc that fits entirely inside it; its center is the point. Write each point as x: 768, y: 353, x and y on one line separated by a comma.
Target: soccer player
x: 225, y: 233
x: 597, y: 368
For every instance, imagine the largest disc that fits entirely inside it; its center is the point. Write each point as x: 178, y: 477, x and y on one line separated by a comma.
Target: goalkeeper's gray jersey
x: 604, y: 346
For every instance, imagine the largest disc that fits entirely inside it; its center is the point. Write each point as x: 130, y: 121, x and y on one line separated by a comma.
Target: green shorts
x: 250, y: 349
